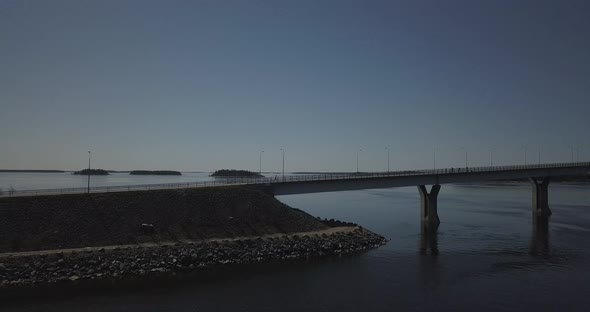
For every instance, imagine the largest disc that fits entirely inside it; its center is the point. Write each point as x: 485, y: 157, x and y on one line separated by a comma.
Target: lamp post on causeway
x: 491, y: 157
x: 434, y: 159
x: 283, y: 150
x: 466, y: 162
x: 357, y: 160
x: 88, y: 188
x: 525, y: 147
x: 260, y: 163
x: 387, y: 148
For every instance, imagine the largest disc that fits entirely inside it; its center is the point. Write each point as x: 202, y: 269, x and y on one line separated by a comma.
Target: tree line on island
x: 92, y: 172
x: 236, y: 173
x: 134, y: 172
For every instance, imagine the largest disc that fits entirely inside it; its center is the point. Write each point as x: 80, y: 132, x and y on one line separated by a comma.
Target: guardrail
x: 286, y: 179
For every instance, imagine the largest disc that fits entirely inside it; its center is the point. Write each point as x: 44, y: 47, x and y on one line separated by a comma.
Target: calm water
x: 36, y: 181
x: 486, y: 256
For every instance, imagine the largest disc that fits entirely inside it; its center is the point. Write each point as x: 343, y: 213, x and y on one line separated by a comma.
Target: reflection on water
x: 428, y: 241
x: 540, y: 236
x: 429, y: 270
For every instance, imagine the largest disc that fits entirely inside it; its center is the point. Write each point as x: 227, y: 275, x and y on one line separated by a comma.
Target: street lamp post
x: 88, y: 188
x: 357, y: 160
x: 260, y: 163
x: 387, y: 148
x: 434, y: 159
x: 491, y: 157
x: 283, y: 150
x: 525, y: 150
x: 466, y: 162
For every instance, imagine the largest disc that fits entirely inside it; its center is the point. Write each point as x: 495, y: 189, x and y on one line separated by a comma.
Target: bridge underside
x: 539, y: 179
x: 319, y: 186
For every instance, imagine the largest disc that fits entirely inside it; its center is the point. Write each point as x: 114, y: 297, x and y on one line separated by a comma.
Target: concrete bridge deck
x: 539, y: 177
x: 328, y: 183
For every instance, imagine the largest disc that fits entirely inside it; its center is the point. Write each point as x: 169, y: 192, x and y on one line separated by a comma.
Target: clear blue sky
x: 203, y: 85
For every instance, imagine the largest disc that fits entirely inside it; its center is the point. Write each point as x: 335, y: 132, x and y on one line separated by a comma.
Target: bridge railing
x: 285, y: 179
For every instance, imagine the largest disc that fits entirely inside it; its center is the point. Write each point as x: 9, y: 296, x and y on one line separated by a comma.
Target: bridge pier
x: 540, y: 237
x: 428, y: 206
x: 540, y: 197
x: 428, y: 240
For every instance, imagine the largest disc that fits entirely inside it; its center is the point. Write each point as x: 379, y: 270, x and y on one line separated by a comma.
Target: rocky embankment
x: 87, y: 220
x: 137, y: 261
x: 83, y: 237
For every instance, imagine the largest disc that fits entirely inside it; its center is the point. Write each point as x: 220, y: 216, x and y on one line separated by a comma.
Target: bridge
x: 538, y: 175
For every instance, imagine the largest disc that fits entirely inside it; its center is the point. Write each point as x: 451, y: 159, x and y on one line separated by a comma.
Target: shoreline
x: 119, y: 262
x: 339, y: 229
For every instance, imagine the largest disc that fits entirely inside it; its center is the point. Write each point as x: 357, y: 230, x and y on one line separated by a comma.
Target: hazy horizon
x: 206, y: 85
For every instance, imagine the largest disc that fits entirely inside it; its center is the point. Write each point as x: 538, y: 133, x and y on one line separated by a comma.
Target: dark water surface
x: 486, y: 256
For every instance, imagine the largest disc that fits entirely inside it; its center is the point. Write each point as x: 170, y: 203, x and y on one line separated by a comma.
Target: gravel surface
x: 119, y: 263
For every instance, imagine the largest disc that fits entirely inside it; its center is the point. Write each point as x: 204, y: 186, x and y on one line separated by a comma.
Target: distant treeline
x: 38, y: 171
x: 155, y: 172
x: 92, y: 172
x: 235, y: 173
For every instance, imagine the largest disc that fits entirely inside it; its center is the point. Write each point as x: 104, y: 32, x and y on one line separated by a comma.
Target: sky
x: 205, y: 85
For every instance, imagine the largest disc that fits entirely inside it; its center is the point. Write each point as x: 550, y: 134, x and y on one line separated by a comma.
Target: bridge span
x: 538, y: 176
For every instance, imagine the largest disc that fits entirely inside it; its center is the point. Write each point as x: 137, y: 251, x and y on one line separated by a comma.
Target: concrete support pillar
x: 540, y: 237
x: 540, y: 197
x: 428, y: 207
x: 428, y: 240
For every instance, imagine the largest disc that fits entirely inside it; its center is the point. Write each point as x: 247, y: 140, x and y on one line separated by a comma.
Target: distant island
x: 155, y: 172
x: 92, y: 172
x: 236, y: 173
